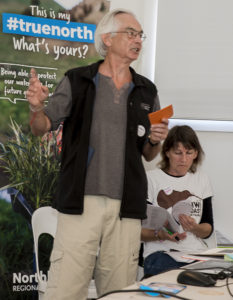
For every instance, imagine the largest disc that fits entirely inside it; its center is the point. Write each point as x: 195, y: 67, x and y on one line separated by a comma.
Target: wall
x: 218, y: 147
x: 194, y: 57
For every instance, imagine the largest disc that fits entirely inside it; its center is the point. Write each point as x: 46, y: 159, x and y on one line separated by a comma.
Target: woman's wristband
x: 156, y: 234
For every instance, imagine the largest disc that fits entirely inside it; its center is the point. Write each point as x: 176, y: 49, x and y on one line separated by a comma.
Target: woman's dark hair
x: 187, y: 137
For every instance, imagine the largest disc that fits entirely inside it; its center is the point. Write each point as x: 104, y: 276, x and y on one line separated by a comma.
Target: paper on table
x: 160, y: 287
x: 157, y: 217
x: 228, y: 257
x: 164, y: 113
x: 181, y: 256
x: 216, y: 252
x: 210, y: 266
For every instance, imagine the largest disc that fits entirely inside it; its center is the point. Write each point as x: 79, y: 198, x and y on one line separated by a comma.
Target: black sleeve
x: 207, y: 214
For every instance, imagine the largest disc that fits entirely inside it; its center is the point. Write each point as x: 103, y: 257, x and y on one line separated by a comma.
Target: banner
x: 52, y: 37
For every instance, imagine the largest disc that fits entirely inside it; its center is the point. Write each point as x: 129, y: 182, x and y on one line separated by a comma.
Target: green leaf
x: 32, y: 164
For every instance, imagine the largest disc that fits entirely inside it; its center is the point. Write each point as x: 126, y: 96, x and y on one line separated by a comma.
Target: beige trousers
x: 74, y: 257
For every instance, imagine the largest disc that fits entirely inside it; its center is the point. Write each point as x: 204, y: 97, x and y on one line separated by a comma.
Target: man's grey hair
x: 106, y: 25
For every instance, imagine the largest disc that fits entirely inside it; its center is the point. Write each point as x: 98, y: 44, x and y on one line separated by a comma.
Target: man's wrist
x: 153, y: 144
x: 36, y: 108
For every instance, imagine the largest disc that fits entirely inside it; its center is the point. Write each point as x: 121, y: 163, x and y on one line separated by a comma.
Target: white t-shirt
x: 187, y: 191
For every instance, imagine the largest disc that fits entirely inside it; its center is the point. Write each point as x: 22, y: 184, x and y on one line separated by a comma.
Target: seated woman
x: 185, y: 192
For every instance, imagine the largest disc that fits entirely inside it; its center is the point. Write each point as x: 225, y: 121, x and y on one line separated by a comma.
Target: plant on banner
x: 32, y: 164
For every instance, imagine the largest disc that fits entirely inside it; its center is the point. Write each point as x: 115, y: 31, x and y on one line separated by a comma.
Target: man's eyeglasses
x: 132, y: 34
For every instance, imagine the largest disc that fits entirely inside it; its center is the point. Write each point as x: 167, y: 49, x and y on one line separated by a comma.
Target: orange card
x: 164, y: 113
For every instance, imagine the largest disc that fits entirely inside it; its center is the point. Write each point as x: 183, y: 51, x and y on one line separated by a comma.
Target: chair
x: 20, y: 205
x: 44, y: 220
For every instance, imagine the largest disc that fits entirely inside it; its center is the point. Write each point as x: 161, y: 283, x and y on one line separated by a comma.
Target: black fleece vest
x: 75, y: 141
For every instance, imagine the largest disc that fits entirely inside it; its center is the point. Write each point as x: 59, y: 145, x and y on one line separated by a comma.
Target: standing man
x: 101, y: 198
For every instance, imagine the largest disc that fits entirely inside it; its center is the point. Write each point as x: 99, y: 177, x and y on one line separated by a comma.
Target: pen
x: 169, y: 232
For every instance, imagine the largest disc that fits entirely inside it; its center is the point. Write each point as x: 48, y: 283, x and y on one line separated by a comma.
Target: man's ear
x: 106, y: 38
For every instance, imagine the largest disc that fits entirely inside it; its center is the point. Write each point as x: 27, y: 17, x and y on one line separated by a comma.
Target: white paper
x: 181, y: 207
x: 216, y: 251
x: 157, y: 218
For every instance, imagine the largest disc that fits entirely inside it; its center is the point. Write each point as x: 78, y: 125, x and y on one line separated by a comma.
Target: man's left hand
x: 158, y: 132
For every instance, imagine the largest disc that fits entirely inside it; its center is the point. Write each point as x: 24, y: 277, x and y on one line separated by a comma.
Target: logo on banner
x: 24, y: 282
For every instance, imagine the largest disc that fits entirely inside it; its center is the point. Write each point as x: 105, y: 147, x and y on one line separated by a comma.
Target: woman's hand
x: 175, y: 237
x: 188, y: 223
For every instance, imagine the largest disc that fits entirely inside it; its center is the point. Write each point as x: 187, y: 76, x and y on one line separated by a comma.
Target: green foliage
x: 16, y: 240
x: 16, y: 249
x: 16, y: 252
x: 19, y: 112
x: 32, y: 165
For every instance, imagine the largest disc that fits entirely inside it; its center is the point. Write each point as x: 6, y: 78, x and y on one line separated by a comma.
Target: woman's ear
x: 195, y: 154
x: 167, y: 154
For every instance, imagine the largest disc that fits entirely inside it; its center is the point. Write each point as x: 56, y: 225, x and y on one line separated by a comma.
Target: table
x: 191, y: 292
